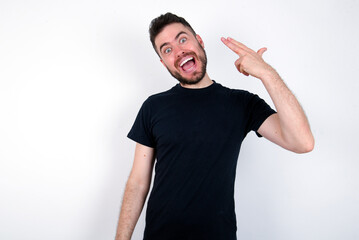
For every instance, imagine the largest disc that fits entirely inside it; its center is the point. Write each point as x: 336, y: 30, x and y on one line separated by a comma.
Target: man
x: 195, y: 131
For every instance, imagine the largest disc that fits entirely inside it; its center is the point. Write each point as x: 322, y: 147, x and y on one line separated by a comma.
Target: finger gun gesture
x: 249, y: 61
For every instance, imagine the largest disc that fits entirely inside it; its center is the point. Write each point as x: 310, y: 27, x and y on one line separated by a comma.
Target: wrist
x: 269, y: 74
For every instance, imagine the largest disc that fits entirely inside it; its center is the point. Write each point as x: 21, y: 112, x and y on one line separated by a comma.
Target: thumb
x: 261, y: 51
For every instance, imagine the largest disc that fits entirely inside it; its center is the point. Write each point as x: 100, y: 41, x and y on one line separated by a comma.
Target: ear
x: 199, y: 39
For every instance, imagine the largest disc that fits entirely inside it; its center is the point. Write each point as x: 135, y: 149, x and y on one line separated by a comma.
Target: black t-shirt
x: 197, y: 135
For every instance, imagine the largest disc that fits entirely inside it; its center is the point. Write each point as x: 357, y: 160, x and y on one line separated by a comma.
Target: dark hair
x: 162, y: 21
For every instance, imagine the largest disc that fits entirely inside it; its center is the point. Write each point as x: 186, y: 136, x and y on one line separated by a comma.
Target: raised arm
x: 288, y: 128
x: 136, y: 191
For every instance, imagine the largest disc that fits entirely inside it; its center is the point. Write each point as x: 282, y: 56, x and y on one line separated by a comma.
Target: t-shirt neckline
x: 178, y: 87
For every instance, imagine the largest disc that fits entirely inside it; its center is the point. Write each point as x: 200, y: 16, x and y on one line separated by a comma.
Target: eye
x: 167, y: 50
x: 182, y: 40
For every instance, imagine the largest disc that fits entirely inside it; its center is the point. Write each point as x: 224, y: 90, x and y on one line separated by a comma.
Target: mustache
x: 191, y: 53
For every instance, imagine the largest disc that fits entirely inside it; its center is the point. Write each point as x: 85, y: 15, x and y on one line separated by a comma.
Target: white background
x: 74, y: 73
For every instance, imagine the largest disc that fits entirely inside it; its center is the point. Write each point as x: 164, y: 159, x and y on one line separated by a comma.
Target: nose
x: 181, y: 54
x: 179, y: 51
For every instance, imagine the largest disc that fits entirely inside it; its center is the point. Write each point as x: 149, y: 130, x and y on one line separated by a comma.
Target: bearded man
x: 194, y: 133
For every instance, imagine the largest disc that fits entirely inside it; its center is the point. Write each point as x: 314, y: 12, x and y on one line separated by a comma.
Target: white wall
x: 73, y: 75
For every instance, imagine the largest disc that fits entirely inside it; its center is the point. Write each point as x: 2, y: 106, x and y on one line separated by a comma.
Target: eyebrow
x: 177, y: 36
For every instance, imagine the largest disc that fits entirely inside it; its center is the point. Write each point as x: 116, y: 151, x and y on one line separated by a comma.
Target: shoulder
x: 159, y: 98
x: 226, y: 89
x: 161, y: 95
x: 236, y: 94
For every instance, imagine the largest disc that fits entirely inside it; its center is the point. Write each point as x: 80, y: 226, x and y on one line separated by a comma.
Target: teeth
x: 188, y: 59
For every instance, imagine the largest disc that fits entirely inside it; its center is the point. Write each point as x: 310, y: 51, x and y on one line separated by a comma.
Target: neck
x: 205, y: 82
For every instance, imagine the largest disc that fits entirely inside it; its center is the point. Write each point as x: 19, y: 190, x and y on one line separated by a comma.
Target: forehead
x: 169, y: 33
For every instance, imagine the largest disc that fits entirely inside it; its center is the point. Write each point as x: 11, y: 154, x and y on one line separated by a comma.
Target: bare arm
x: 136, y: 191
x: 289, y: 128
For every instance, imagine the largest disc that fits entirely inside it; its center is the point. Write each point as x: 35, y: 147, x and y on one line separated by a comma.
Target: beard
x: 198, y: 75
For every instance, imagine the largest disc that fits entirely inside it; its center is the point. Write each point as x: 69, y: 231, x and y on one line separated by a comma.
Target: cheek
x: 169, y: 62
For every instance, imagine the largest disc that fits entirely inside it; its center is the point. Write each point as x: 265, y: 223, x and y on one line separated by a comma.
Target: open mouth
x: 188, y: 64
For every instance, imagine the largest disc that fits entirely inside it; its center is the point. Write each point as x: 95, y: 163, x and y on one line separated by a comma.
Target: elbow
x: 138, y: 184
x: 306, y: 146
x: 306, y: 149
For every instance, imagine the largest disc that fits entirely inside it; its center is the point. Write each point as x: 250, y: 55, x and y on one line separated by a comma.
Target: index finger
x: 239, y: 44
x: 234, y: 47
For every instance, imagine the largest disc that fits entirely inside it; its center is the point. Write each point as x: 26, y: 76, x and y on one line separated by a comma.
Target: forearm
x: 289, y: 128
x: 294, y: 125
x: 132, y: 204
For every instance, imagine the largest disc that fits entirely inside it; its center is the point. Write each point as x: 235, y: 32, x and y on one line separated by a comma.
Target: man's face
x: 182, y: 53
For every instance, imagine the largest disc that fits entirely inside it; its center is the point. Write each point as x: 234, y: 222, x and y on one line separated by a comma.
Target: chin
x: 192, y: 81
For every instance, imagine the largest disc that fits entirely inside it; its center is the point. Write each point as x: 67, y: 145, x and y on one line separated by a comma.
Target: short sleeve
x: 141, y: 130
x: 258, y: 111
